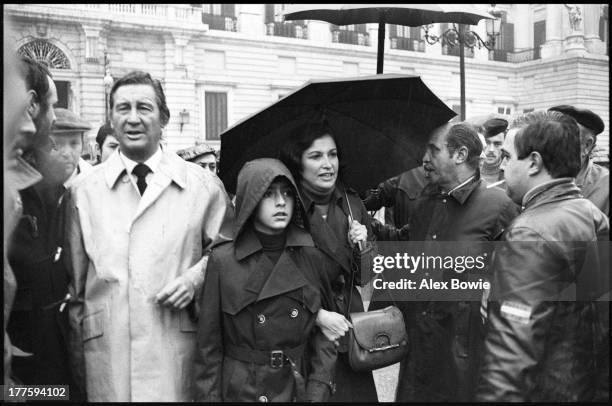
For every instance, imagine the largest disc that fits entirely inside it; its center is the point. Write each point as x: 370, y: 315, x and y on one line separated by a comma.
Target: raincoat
x: 122, y: 250
x: 257, y: 339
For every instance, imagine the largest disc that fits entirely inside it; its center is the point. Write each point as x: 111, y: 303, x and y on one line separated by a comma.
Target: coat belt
x: 274, y: 358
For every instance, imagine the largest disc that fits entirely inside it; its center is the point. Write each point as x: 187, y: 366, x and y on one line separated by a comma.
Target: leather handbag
x: 378, y: 339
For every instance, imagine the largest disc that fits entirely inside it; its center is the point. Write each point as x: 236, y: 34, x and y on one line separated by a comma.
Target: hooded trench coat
x: 251, y: 306
x: 123, y: 249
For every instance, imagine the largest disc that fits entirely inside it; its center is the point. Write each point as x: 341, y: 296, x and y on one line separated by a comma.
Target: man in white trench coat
x: 137, y: 241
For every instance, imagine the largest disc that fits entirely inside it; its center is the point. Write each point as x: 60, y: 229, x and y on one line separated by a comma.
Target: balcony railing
x: 408, y: 44
x: 351, y: 37
x: 454, y: 51
x: 219, y: 22
x: 184, y: 13
x: 521, y: 56
x: 287, y: 29
x: 499, y: 55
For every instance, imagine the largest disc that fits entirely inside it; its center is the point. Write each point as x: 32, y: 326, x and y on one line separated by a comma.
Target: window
x: 539, y: 37
x: 356, y: 34
x: 447, y: 48
x: 219, y: 16
x: 504, y: 43
x: 404, y: 37
x: 604, y: 34
x: 46, y: 53
x: 215, y: 114
x: 525, y: 111
x: 504, y: 110
x: 63, y: 93
x: 277, y: 27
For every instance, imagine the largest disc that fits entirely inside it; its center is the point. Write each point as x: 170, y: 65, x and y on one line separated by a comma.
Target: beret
x: 584, y: 117
x: 494, y: 126
x: 196, y: 151
x: 66, y: 121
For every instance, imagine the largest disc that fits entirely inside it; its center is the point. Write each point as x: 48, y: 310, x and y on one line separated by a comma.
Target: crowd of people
x: 139, y: 279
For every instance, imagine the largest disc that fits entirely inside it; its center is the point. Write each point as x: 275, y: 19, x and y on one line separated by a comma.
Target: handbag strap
x: 348, y: 310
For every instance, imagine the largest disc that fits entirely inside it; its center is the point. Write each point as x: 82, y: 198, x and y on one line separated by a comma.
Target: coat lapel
x: 169, y: 171
x: 285, y: 277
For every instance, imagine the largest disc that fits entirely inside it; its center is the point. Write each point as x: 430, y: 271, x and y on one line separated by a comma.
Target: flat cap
x: 584, y: 117
x: 495, y: 126
x: 196, y: 151
x: 66, y: 122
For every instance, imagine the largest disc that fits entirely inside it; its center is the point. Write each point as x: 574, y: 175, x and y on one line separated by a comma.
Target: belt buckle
x: 276, y: 359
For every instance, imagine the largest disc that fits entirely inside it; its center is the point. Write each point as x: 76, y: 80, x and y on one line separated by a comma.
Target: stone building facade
x: 222, y: 62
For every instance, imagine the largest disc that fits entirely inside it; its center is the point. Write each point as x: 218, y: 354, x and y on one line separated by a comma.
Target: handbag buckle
x: 276, y: 359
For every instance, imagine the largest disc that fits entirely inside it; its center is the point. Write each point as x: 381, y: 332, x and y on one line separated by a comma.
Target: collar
x: 539, y: 193
x: 337, y: 195
x: 22, y: 174
x: 152, y: 162
x: 247, y: 243
x: 169, y: 165
x: 462, y: 191
x: 584, y: 172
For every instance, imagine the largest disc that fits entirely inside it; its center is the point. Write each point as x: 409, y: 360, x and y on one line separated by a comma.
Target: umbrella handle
x: 359, y: 243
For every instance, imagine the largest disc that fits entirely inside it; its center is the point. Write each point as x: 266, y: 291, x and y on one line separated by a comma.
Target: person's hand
x: 333, y: 325
x: 357, y: 232
x: 177, y: 294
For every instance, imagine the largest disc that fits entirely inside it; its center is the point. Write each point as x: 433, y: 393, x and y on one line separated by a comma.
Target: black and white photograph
x: 333, y: 203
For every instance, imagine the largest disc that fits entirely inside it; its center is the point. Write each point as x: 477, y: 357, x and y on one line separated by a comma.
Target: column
x: 554, y: 36
x: 319, y: 31
x: 523, y: 27
x: 251, y: 19
x: 594, y: 44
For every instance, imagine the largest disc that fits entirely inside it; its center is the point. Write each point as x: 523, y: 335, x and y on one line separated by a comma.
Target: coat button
x: 443, y: 200
x: 261, y: 319
x: 434, y: 236
x: 262, y: 399
x: 294, y: 313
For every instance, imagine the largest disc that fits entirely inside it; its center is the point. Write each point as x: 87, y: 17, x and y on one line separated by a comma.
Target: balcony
x: 454, y: 51
x: 499, y: 55
x: 141, y: 14
x: 522, y: 56
x: 219, y: 22
x: 408, y: 44
x: 351, y: 37
x: 287, y: 29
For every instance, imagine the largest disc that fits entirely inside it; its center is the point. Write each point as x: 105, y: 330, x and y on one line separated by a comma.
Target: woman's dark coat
x: 250, y: 304
x: 331, y: 237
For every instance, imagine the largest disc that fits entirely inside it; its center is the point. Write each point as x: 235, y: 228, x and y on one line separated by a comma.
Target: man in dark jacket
x: 547, y: 336
x: 593, y: 180
x: 494, y: 133
x: 456, y: 206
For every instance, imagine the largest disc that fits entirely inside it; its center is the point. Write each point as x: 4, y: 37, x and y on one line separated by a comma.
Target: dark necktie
x: 141, y: 171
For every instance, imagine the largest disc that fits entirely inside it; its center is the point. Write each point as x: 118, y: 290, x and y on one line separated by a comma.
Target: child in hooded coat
x: 257, y: 339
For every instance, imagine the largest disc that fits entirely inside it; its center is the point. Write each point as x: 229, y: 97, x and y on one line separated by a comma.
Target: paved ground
x: 384, y: 378
x: 386, y: 382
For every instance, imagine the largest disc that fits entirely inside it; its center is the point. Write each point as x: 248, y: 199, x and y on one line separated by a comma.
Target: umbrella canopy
x: 381, y: 124
x: 412, y: 15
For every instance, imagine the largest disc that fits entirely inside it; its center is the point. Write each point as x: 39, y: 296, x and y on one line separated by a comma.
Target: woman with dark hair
x: 338, y: 230
x: 257, y: 338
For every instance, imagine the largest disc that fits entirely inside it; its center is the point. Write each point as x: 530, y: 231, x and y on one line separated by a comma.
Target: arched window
x: 46, y: 53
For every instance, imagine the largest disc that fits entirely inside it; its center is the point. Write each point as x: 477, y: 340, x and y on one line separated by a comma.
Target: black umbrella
x: 381, y: 124
x: 412, y: 15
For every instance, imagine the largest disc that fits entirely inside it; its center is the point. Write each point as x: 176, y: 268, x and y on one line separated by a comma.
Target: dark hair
x: 465, y: 135
x: 103, y: 132
x: 144, y: 78
x: 35, y: 74
x: 555, y: 136
x: 303, y: 136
